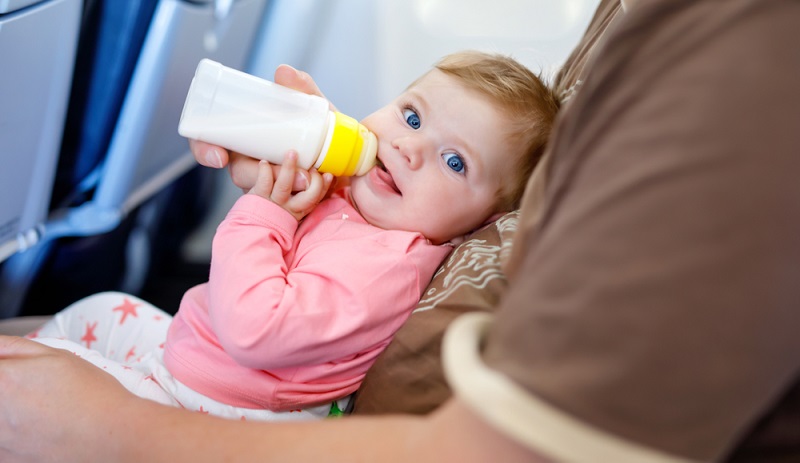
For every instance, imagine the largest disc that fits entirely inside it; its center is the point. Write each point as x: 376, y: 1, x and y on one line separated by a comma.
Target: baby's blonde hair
x: 530, y: 106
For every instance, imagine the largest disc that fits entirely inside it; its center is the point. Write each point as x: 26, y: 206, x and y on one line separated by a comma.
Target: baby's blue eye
x: 454, y: 162
x: 412, y: 119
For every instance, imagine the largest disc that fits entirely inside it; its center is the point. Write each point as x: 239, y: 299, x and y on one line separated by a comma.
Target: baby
x: 307, y: 287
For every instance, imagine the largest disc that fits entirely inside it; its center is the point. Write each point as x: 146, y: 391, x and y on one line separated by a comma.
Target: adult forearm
x: 59, y: 408
x: 451, y: 434
x: 184, y: 436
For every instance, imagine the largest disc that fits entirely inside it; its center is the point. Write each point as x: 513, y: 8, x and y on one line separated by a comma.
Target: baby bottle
x: 264, y: 120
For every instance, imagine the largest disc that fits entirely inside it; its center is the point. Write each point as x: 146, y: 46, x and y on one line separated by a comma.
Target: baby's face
x: 443, y: 155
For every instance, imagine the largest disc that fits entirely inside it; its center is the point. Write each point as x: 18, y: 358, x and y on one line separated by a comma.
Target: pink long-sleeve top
x: 294, y: 315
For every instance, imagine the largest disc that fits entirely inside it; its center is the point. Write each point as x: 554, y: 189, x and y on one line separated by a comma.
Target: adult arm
x: 57, y: 407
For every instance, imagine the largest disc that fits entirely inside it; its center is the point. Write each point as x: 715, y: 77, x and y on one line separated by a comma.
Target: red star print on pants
x: 131, y: 353
x: 127, y: 308
x: 89, y: 337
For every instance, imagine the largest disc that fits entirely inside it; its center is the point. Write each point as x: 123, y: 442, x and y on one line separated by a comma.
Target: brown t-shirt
x: 407, y: 377
x: 654, y: 314
x: 568, y: 81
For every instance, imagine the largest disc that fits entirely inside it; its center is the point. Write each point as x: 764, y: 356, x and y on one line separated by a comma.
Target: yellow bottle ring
x: 345, y: 146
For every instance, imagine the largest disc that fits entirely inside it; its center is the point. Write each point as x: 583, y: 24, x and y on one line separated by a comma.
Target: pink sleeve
x: 267, y: 317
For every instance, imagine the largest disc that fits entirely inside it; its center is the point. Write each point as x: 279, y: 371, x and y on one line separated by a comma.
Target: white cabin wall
x: 362, y: 53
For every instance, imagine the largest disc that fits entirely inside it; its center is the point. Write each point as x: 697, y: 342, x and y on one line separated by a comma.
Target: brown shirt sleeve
x: 656, y: 305
x: 566, y: 83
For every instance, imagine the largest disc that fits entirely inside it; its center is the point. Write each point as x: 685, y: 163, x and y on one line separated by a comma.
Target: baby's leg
x: 120, y: 327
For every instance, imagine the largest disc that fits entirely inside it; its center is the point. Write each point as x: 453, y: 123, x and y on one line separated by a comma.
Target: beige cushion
x: 408, y: 377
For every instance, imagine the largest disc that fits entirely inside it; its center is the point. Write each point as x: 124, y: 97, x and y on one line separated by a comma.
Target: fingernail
x: 303, y: 179
x: 213, y: 158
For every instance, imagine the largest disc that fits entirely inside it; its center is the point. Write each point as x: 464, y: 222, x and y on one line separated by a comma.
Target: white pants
x: 125, y: 336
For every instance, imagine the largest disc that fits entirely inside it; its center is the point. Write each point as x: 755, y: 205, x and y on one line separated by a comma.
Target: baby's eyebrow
x: 419, y: 99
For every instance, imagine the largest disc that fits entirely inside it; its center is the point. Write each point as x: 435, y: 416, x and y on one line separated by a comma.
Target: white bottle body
x: 255, y: 117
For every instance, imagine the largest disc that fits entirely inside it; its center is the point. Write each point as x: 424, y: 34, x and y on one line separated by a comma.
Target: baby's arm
x: 341, y: 296
x: 280, y: 190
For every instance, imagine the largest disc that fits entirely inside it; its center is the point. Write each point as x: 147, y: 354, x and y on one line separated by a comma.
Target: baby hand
x: 279, y: 190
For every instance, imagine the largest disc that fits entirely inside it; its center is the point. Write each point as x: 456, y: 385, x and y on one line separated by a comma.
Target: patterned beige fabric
x: 476, y: 263
x: 408, y: 377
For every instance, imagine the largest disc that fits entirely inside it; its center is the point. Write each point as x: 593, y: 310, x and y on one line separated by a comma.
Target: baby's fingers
x: 282, y: 190
x: 304, y: 201
x: 264, y: 181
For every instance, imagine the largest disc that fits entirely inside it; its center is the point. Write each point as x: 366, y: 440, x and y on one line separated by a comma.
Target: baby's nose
x: 413, y: 149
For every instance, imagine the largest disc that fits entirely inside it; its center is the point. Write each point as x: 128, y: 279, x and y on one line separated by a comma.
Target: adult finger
x: 243, y: 170
x: 290, y: 77
x: 209, y: 155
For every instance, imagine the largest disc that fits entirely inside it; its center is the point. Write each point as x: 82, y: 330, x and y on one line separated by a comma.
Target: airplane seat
x: 110, y: 39
x: 38, y: 41
x: 111, y: 35
x: 126, y: 181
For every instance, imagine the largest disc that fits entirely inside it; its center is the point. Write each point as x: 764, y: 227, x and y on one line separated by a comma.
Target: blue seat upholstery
x: 38, y: 39
x: 117, y: 193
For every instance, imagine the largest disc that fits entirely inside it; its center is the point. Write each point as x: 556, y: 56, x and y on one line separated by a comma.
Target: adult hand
x: 52, y: 401
x: 243, y: 169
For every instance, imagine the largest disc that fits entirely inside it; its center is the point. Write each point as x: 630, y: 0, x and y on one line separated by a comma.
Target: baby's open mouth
x: 386, y: 177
